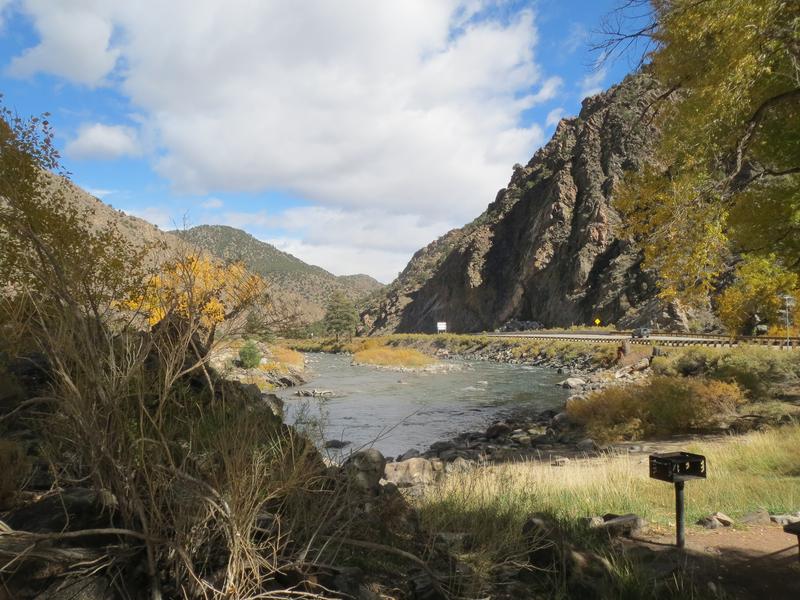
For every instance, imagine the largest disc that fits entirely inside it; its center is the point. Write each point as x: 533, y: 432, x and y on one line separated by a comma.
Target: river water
x: 395, y: 411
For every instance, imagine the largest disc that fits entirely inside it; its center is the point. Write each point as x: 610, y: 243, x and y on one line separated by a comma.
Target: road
x: 669, y: 339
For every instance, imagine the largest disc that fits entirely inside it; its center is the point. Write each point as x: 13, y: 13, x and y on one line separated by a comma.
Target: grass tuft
x: 385, y: 356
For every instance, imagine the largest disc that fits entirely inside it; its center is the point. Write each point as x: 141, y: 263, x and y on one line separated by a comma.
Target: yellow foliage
x: 287, y: 356
x: 384, y: 356
x: 197, y: 287
x: 758, y: 290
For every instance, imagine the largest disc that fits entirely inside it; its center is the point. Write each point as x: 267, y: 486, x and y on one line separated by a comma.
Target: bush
x: 756, y: 370
x: 249, y: 355
x: 663, y: 406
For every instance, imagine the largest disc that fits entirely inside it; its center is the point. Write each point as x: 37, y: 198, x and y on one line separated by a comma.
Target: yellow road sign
x: 597, y: 321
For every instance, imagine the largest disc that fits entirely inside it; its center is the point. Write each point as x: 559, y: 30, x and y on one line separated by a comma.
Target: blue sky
x: 349, y: 134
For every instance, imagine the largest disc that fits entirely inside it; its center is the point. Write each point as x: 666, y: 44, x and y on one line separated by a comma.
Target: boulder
x: 627, y: 525
x: 414, y: 471
x: 93, y: 587
x: 758, y: 517
x: 413, y: 453
x: 572, y: 383
x: 560, y: 421
x: 71, y: 510
x: 710, y: 522
x: 336, y: 444
x: 521, y: 439
x: 366, y: 468
x: 442, y: 446
x: 785, y: 519
x: 274, y: 403
x: 497, y: 430
x: 586, y: 445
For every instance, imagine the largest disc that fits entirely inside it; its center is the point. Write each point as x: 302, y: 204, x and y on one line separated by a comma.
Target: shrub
x: 662, y: 406
x: 756, y: 370
x: 249, y: 355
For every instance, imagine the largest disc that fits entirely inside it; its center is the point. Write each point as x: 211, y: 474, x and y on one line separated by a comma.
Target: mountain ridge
x: 295, y: 284
x: 548, y: 248
x: 280, y: 269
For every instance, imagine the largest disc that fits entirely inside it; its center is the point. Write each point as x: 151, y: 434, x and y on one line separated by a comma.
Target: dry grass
x: 756, y: 470
x: 287, y: 356
x: 491, y: 505
x: 393, y: 357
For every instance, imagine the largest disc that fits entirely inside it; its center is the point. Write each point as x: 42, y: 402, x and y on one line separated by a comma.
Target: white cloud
x: 554, y: 116
x: 248, y: 220
x: 390, y: 117
x: 4, y: 4
x: 548, y: 90
x: 75, y: 41
x: 104, y: 142
x: 353, y: 103
x: 212, y: 203
x: 345, y: 241
x: 593, y: 83
x: 99, y: 192
x: 155, y: 215
x: 578, y: 36
x: 382, y: 265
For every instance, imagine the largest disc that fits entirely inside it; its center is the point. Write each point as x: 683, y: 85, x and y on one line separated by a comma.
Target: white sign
x: 441, y: 327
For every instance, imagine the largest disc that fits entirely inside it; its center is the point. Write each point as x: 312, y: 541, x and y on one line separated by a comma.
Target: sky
x: 348, y: 133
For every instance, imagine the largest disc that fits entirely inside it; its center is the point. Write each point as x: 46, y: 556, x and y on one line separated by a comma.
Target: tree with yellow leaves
x: 200, y: 292
x: 725, y: 180
x: 756, y: 296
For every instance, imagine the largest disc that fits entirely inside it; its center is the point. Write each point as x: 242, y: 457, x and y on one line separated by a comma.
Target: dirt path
x: 760, y: 562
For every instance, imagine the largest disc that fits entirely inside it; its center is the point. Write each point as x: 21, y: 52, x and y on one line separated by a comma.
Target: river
x: 396, y: 411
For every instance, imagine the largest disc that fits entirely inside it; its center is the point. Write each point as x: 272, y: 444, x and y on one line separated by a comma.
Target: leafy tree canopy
x: 726, y: 178
x: 756, y: 296
x: 48, y: 250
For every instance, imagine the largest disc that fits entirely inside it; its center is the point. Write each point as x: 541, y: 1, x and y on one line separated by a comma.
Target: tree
x: 756, y: 296
x: 341, y: 317
x: 726, y: 175
x: 49, y: 250
x: 201, y: 292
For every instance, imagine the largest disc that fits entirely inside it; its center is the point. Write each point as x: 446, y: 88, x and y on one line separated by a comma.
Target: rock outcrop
x: 549, y: 248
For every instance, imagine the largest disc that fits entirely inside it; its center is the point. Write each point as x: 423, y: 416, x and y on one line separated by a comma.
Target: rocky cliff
x: 548, y: 248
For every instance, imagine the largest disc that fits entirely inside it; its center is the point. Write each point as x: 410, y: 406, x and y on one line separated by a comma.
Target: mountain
x: 548, y: 248
x: 314, y: 285
x: 301, y: 288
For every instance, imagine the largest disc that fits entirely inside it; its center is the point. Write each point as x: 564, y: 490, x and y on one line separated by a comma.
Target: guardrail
x: 680, y: 339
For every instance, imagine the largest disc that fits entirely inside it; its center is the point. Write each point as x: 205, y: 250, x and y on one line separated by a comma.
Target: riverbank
x: 569, y: 357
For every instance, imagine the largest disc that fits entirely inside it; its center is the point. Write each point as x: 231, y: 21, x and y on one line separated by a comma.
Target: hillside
x: 300, y: 287
x: 285, y: 272
x: 548, y: 248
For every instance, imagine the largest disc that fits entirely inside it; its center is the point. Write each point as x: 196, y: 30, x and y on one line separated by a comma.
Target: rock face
x: 548, y: 249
